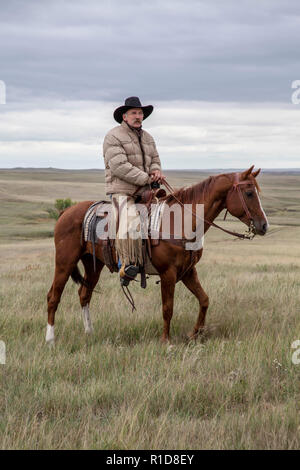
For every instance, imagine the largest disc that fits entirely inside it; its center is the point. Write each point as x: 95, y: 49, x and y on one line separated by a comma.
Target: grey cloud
x: 195, y: 50
x: 188, y: 134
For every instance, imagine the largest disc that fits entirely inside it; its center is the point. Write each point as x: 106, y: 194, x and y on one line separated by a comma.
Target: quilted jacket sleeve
x: 155, y: 164
x: 119, y: 165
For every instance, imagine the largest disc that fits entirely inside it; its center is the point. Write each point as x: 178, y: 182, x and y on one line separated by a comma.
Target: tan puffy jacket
x: 125, y: 167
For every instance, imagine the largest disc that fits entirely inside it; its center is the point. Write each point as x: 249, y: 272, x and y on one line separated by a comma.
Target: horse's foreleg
x: 168, y: 281
x: 191, y: 281
x: 85, y: 293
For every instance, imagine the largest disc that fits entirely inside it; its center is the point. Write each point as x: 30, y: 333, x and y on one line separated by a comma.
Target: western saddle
x: 94, y: 230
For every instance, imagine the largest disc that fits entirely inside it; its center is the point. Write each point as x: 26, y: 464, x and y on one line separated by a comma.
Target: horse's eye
x: 249, y: 193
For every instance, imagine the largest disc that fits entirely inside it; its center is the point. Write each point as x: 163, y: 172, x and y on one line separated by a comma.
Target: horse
x: 238, y: 193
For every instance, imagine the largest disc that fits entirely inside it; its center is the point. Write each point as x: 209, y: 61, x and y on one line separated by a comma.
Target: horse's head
x: 243, y: 201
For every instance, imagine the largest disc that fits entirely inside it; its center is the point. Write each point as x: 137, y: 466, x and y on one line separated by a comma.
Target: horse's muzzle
x: 261, y: 226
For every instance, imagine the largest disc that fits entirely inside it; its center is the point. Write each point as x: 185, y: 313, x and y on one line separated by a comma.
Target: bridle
x: 250, y: 233
x: 237, y: 187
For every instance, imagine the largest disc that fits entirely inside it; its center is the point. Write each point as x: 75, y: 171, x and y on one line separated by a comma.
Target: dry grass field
x: 236, y: 388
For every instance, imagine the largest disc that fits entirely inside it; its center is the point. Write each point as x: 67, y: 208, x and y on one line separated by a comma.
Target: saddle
x: 95, y: 225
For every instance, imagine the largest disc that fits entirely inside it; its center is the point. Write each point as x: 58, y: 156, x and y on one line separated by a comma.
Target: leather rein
x: 250, y: 234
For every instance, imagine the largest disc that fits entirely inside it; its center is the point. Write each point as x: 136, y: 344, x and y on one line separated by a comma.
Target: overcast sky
x: 219, y: 74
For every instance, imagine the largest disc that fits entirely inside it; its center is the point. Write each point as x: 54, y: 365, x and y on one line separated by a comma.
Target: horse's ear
x: 255, y: 173
x: 246, y: 173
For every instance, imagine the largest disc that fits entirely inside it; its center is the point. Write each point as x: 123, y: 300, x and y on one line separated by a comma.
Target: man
x: 131, y: 165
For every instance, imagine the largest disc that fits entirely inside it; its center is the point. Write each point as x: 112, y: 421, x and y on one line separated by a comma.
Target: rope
x: 129, y: 297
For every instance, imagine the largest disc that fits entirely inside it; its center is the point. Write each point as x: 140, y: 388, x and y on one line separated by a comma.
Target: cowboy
x: 131, y: 164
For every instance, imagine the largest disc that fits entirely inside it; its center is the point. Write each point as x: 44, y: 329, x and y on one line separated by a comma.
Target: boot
x: 128, y: 273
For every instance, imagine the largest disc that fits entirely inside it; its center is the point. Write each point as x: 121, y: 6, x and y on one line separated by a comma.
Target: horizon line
x: 165, y: 169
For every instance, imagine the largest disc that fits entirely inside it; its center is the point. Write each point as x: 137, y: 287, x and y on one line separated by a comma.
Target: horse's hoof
x: 165, y: 341
x: 89, y: 331
x: 192, y: 336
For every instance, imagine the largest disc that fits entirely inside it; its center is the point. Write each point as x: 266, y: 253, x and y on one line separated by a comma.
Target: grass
x: 236, y: 388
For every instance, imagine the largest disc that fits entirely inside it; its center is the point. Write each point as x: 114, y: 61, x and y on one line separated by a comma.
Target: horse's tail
x: 77, y: 277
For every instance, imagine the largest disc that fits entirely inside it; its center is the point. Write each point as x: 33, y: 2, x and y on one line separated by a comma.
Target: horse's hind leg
x: 85, y: 293
x: 191, y: 281
x: 62, y: 273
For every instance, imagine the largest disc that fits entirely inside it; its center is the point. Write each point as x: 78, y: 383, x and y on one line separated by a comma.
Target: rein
x: 236, y: 187
x: 249, y: 236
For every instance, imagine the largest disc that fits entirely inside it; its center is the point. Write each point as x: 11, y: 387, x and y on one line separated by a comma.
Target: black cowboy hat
x: 132, y: 102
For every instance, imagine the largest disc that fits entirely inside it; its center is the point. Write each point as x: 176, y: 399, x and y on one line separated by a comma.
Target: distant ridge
x: 188, y: 170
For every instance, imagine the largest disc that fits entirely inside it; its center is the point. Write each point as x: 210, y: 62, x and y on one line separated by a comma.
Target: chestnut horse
x: 236, y: 192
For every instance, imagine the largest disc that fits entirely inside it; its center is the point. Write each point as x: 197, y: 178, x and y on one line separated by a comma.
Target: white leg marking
x: 87, y: 319
x: 50, y: 334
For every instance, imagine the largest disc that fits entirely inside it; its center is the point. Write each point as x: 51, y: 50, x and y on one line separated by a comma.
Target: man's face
x: 134, y: 117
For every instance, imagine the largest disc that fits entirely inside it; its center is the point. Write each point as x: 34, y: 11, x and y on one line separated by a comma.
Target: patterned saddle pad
x: 95, y: 213
x: 91, y: 221
x: 94, y: 230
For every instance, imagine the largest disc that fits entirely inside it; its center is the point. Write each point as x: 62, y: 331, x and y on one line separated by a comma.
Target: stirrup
x: 128, y: 273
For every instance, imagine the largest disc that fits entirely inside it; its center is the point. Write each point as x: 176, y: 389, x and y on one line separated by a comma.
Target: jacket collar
x: 131, y: 131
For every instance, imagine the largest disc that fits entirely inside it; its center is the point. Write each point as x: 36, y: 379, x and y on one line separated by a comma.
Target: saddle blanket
x: 94, y: 229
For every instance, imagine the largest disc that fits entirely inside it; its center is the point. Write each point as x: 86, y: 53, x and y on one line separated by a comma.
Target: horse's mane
x: 190, y: 194
x: 197, y: 192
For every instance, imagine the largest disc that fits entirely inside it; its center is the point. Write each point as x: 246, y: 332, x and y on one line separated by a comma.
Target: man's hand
x: 157, y: 175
